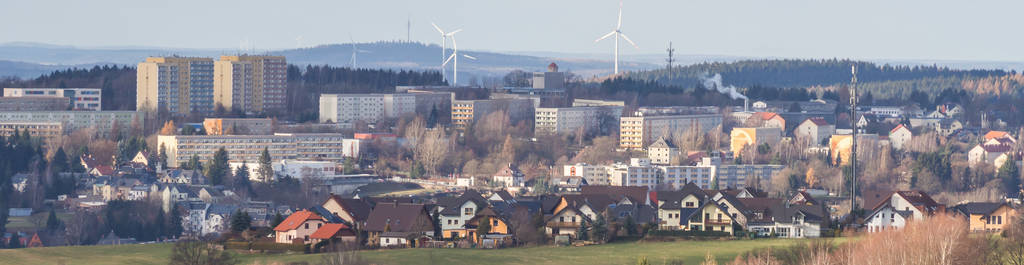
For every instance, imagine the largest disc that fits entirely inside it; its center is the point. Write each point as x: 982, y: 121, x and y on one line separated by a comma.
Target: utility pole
x: 670, y: 60
x: 853, y: 138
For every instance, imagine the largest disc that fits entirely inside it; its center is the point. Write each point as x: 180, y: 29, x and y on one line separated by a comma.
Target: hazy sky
x: 862, y: 29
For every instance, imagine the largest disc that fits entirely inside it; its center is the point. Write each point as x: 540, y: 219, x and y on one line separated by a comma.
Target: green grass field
x: 690, y: 252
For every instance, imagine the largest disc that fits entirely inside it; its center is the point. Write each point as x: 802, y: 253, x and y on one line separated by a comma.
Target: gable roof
x: 996, y: 134
x: 982, y: 208
x: 508, y: 171
x: 806, y: 197
x: 766, y: 115
x: 296, y: 219
x: 637, y: 194
x: 401, y: 217
x: 329, y: 230
x: 357, y: 208
x: 452, y: 207
x: 995, y: 148
x: 816, y: 121
x: 898, y: 127
x: 504, y: 195
x: 661, y: 143
x: 918, y: 199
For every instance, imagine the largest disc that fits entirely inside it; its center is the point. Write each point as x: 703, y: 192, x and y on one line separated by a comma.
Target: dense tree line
x: 117, y: 82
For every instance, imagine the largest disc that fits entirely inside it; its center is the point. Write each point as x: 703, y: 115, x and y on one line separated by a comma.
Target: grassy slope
x: 691, y: 252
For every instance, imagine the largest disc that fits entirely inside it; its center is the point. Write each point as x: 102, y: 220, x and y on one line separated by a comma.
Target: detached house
x: 711, y: 217
x: 814, y: 130
x: 900, y: 136
x: 298, y: 227
x: 662, y: 152
x: 987, y: 154
x: 509, y: 176
x: 353, y: 212
x: 674, y: 207
x: 766, y: 120
x: 455, y: 214
x: 899, y: 207
x: 986, y: 216
x: 393, y: 224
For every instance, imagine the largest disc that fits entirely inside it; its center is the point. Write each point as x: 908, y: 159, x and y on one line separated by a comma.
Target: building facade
x: 247, y: 148
x: 347, y: 109
x: 250, y: 83
x: 178, y: 85
x: 80, y: 98
x: 572, y: 119
x: 35, y: 129
x: 467, y: 112
x: 639, y: 131
x: 34, y: 104
x: 103, y: 122
x: 742, y: 137
x: 240, y: 126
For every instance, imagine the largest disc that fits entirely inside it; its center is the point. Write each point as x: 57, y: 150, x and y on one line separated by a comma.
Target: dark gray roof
x: 978, y: 207
x: 452, y: 207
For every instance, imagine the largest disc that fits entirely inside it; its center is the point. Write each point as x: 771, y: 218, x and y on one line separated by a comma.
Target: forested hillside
x: 117, y: 82
x: 884, y: 81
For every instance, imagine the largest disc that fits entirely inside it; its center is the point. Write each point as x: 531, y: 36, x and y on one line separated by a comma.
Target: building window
x: 307, y: 225
x: 467, y: 211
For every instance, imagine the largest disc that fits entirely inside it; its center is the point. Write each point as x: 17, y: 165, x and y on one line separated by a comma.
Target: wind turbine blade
x: 450, y: 58
x: 437, y: 28
x: 470, y: 57
x: 605, y: 36
x: 453, y: 32
x: 619, y: 25
x: 630, y: 41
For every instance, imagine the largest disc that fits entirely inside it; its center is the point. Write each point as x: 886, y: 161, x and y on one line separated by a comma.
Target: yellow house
x: 711, y: 217
x: 742, y: 137
x: 986, y: 216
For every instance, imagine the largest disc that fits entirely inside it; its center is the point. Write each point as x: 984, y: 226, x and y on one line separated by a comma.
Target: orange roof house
x: 299, y: 225
x: 333, y: 231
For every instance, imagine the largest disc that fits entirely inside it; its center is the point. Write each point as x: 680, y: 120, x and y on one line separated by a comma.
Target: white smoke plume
x: 715, y: 83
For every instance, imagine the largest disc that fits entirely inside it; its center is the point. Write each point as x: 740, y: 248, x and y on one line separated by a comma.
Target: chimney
x: 746, y: 105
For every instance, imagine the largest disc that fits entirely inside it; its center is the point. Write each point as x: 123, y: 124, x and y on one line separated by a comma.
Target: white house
x: 887, y: 218
x: 509, y: 176
x: 908, y: 205
x: 986, y: 154
x: 814, y: 130
x: 662, y: 152
x: 900, y: 136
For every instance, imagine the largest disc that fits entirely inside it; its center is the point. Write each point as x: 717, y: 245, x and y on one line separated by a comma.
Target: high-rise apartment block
x: 639, y: 131
x: 250, y: 83
x: 346, y: 109
x: 178, y: 85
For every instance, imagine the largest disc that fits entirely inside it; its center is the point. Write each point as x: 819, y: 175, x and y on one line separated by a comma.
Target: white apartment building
x: 570, y: 120
x: 247, y: 148
x: 640, y: 172
x: 639, y: 131
x: 346, y: 109
x: 81, y: 98
x: 102, y: 121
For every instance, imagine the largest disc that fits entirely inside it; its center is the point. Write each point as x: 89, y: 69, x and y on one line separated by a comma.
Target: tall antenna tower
x: 408, y: 28
x: 670, y: 60
x: 853, y: 138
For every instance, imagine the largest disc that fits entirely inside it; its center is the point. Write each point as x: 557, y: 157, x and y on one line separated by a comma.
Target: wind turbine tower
x: 454, y: 59
x: 444, y: 46
x: 617, y: 32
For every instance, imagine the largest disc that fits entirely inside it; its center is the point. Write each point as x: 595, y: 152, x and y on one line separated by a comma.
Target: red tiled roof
x: 328, y: 231
x: 897, y: 128
x: 105, y: 170
x: 817, y: 121
x: 296, y: 219
x: 996, y: 148
x: 996, y: 134
x: 765, y: 115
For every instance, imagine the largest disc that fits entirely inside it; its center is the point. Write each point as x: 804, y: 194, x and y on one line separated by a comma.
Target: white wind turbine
x: 454, y: 59
x: 618, y: 33
x: 355, y: 50
x: 444, y: 45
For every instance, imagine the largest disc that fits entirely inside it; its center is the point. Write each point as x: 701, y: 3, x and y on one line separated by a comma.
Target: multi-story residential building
x: 596, y: 103
x: 737, y: 176
x: 639, y: 131
x: 178, y: 85
x: 572, y: 119
x: 346, y: 109
x: 102, y: 121
x: 247, y: 148
x: 841, y: 145
x: 638, y: 172
x: 593, y: 174
x: 80, y: 98
x: 250, y: 83
x: 467, y: 112
x: 34, y: 104
x: 742, y: 137
x: 814, y: 131
x: 900, y: 136
x: 239, y: 126
x: 662, y: 152
x: 35, y: 129
x: 677, y: 176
